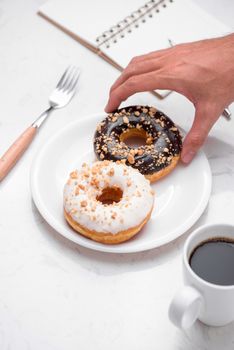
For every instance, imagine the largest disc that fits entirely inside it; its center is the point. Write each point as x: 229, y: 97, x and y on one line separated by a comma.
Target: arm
x: 203, y: 71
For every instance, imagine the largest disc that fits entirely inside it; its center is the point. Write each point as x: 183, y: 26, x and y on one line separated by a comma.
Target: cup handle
x: 185, y: 307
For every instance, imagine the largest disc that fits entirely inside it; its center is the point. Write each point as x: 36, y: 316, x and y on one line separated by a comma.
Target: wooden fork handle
x: 16, y: 150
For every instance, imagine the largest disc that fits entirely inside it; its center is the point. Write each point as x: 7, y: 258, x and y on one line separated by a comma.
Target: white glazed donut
x: 107, y: 202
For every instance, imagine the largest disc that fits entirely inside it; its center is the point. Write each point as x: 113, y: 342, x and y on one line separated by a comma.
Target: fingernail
x: 187, y: 157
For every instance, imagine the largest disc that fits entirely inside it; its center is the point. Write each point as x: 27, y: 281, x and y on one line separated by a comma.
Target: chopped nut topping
x: 166, y: 150
x: 94, y: 182
x: 77, y: 191
x: 131, y: 159
x: 125, y: 120
x: 144, y: 110
x: 149, y: 140
x: 73, y: 211
x: 137, y: 113
x: 83, y: 203
x: 153, y: 110
x: 111, y: 172
x: 74, y: 175
x: 99, y: 127
x: 94, y: 171
x: 113, y: 216
x: 140, y: 152
x: 129, y: 182
x: 102, y: 156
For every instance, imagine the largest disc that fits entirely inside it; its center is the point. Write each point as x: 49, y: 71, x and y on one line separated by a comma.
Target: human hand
x: 202, y: 71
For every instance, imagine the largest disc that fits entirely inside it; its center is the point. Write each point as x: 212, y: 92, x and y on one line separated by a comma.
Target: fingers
x: 142, y: 64
x: 137, y: 83
x: 205, y: 117
x: 150, y: 55
x: 136, y: 68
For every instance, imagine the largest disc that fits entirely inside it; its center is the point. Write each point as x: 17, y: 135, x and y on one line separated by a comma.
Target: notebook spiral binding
x: 118, y: 31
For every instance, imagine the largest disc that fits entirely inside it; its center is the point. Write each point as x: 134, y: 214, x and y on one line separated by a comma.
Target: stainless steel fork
x: 59, y: 98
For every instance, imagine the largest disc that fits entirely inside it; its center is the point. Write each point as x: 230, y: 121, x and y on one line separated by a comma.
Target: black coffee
x: 213, y: 260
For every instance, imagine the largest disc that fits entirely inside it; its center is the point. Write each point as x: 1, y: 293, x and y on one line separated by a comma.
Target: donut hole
x: 135, y: 138
x: 110, y: 195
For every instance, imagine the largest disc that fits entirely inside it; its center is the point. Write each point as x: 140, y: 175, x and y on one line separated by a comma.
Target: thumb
x: 205, y: 117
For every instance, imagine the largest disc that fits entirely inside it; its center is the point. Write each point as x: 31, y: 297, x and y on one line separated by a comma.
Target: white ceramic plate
x: 181, y: 197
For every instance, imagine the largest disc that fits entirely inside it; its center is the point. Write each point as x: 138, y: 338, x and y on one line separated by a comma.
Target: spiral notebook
x: 118, y: 30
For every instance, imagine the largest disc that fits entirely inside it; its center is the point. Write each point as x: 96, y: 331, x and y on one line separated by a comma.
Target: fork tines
x: 69, y: 79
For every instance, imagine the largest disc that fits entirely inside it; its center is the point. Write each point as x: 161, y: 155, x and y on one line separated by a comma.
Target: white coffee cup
x: 210, y: 303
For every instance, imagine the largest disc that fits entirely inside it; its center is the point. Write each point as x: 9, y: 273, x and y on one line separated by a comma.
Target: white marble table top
x: 55, y: 295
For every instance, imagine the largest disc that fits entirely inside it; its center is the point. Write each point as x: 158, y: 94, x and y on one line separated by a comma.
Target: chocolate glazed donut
x: 163, y: 143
